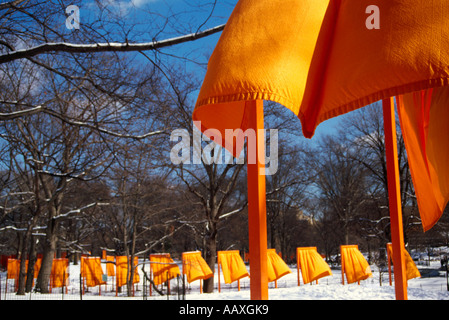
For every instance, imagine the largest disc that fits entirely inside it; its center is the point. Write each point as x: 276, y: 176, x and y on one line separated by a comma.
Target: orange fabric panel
x: 356, y: 267
x: 121, y: 263
x: 59, y: 272
x: 92, y: 271
x: 12, y: 269
x: 110, y: 269
x: 37, y: 267
x: 410, y: 266
x: 312, y: 265
x: 164, y: 268
x: 259, y: 58
x: 276, y: 267
x: 232, y: 265
x: 423, y: 117
x: 195, y: 267
x: 322, y: 61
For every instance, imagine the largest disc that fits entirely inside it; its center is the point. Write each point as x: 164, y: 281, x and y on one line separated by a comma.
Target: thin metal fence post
x: 81, y: 287
x: 63, y: 283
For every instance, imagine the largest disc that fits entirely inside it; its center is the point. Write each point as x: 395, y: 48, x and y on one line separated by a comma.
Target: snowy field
x: 431, y: 286
x: 331, y: 288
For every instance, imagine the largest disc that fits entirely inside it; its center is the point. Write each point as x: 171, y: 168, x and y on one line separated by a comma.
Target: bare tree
x: 341, y: 182
x: 74, y: 144
x: 76, y: 99
x: 365, y: 128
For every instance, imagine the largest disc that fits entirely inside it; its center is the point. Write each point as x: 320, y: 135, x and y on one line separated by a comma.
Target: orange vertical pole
x: 218, y: 269
x: 394, y: 198
x: 389, y: 265
x: 342, y: 266
x: 257, y: 220
x: 151, y: 277
x: 298, y: 265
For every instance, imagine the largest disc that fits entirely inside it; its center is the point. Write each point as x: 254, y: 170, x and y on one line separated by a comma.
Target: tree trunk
x: 43, y: 278
x: 28, y: 238
x: 32, y: 262
x: 211, y: 257
x: 23, y: 259
x: 131, y: 267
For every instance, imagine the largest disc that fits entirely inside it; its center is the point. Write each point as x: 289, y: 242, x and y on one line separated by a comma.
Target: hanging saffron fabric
x: 59, y: 273
x: 12, y: 269
x: 123, y: 272
x: 232, y: 265
x: 91, y: 271
x: 321, y: 62
x: 410, y: 266
x: 110, y: 268
x: 354, y: 264
x: 311, y: 264
x: 164, y: 268
x: 195, y: 267
x: 423, y: 116
x: 276, y: 267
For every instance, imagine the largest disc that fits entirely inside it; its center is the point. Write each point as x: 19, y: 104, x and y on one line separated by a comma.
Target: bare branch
x: 105, y: 47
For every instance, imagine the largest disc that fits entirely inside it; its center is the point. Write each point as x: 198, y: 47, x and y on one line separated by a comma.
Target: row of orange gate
x: 231, y: 267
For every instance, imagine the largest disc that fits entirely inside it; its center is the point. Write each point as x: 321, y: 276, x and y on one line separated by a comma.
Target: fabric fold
x: 232, y: 265
x: 410, y: 266
x: 276, y: 267
x: 354, y: 264
x: 311, y: 264
x: 163, y: 267
x: 195, y: 267
x: 423, y: 116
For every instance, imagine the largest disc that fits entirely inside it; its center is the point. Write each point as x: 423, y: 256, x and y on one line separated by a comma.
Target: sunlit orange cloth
x: 276, y: 267
x: 110, y: 270
x: 12, y: 269
x: 59, y: 272
x: 232, y: 265
x: 164, y: 268
x: 423, y: 117
x: 355, y: 265
x: 37, y: 267
x: 410, y: 266
x: 312, y: 265
x: 318, y: 58
x: 92, y: 271
x: 195, y: 267
x: 264, y: 52
x: 122, y: 270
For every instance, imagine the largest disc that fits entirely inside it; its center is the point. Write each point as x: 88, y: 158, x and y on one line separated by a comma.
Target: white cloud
x: 126, y: 3
x: 139, y: 3
x: 123, y: 6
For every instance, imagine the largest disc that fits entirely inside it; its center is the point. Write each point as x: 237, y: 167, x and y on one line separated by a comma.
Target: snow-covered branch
x: 20, y: 113
x: 104, y: 47
x: 21, y: 229
x: 73, y: 122
x: 73, y: 211
x: 223, y: 216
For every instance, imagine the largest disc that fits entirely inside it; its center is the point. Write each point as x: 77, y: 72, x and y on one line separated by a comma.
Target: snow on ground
x: 328, y: 288
x: 331, y: 288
